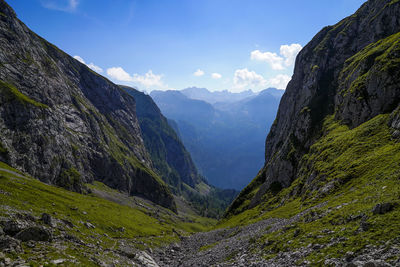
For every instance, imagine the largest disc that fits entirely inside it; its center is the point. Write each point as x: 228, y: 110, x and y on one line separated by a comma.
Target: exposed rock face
x: 351, y: 70
x: 167, y: 152
x: 65, y: 124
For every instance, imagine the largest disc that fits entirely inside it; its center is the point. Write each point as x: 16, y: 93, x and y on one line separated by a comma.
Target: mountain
x: 65, y: 124
x: 173, y: 163
x: 217, y: 96
x: 167, y: 153
x: 353, y: 79
x: 225, y: 139
x: 328, y: 193
x: 177, y: 106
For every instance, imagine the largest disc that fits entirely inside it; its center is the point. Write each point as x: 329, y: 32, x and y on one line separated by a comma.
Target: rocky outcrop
x: 349, y: 70
x: 64, y: 123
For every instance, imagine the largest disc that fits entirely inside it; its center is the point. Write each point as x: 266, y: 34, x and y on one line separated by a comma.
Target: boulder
x: 382, y: 208
x: 47, y: 219
x: 145, y: 259
x: 89, y: 225
x: 34, y: 233
x: 12, y: 227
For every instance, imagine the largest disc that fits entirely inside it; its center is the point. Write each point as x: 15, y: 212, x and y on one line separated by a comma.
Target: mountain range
x: 174, y: 163
x: 225, y: 139
x: 224, y: 96
x: 96, y: 174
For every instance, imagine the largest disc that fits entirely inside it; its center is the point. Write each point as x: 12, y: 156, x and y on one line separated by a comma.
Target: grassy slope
x: 19, y: 193
x: 362, y: 164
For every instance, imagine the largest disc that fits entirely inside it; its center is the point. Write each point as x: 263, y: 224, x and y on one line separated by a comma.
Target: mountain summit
x: 218, y: 96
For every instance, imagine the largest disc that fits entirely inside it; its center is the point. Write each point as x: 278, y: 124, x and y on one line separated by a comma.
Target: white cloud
x: 275, y: 61
x: 198, y: 73
x: 243, y: 78
x: 288, y: 55
x: 119, y: 74
x: 95, y: 68
x: 61, y: 5
x: 290, y: 52
x: 79, y: 59
x: 216, y: 75
x: 148, y: 80
x: 90, y: 65
x: 280, y: 81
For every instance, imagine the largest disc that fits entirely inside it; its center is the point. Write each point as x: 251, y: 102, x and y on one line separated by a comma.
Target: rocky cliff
x: 348, y: 74
x: 167, y: 152
x: 64, y: 123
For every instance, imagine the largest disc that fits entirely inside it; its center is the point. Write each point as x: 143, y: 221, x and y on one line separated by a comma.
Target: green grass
x: 3, y: 150
x: 24, y: 194
x: 12, y: 93
x: 381, y: 56
x: 363, y: 165
x: 207, y: 247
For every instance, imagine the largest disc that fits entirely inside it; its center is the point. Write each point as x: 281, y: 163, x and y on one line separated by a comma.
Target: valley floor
x: 241, y: 246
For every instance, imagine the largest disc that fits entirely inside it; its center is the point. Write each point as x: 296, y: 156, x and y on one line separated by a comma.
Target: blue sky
x: 174, y: 44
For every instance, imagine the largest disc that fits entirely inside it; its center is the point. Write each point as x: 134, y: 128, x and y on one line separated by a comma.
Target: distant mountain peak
x: 216, y: 96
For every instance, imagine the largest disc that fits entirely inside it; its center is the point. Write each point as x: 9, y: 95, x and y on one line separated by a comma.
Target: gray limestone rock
x: 9, y: 244
x: 65, y: 124
x: 323, y: 84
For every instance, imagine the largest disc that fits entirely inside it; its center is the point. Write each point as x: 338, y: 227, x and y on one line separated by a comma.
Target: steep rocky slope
x: 168, y: 154
x: 65, y: 124
x: 347, y: 74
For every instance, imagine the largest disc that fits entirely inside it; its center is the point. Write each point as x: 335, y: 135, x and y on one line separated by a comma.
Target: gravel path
x: 223, y: 247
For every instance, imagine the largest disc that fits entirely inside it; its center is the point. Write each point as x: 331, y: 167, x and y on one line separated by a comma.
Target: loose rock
x: 12, y: 227
x: 382, y: 208
x: 9, y: 244
x: 47, y: 219
x: 145, y: 259
x: 34, y: 233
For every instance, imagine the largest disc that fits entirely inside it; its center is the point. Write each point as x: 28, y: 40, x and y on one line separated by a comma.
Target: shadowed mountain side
x: 225, y: 140
x: 173, y: 162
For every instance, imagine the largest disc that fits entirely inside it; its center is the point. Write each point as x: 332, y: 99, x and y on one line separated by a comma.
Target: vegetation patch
x: 376, y: 58
x: 11, y: 93
x: 70, y: 179
x: 139, y: 224
x: 363, y: 165
x: 3, y: 150
x: 207, y: 247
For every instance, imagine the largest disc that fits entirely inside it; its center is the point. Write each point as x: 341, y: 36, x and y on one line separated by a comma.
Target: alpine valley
x: 98, y: 174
